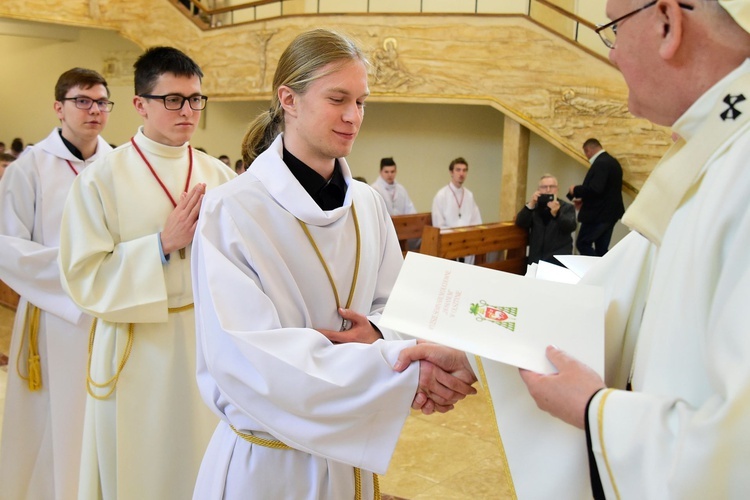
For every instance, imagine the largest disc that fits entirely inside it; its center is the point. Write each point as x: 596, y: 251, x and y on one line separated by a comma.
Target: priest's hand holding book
x: 564, y: 394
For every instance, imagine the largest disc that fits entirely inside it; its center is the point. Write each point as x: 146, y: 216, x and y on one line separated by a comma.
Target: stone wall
x: 537, y: 78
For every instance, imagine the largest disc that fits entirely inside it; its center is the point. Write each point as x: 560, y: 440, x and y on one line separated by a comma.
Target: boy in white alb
x: 125, y: 259
x: 397, y: 200
x: 44, y: 404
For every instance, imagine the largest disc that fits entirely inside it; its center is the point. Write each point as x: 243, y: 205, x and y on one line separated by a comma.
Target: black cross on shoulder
x: 732, y: 113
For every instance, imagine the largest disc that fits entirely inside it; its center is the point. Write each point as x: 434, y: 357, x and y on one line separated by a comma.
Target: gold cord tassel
x: 34, y: 363
x: 111, y: 384
x: 91, y: 385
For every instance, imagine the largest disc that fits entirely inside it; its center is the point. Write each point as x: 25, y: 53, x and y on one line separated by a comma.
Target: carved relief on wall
x: 533, y: 76
x: 387, y: 73
x: 118, y: 67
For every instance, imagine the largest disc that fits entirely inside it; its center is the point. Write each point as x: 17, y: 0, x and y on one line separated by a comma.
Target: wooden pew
x: 8, y: 297
x: 410, y: 227
x: 503, y: 237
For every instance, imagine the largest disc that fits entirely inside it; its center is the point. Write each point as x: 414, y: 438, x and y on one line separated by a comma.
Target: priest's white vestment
x: 261, y: 292
x: 146, y: 439
x: 684, y: 430
x: 42, y: 430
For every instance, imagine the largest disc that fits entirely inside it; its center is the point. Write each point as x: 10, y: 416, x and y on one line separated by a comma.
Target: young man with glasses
x: 550, y: 222
x: 125, y: 259
x: 672, y: 418
x: 44, y: 406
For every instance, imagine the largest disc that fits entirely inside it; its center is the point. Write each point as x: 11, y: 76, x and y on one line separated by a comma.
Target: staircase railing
x: 574, y: 26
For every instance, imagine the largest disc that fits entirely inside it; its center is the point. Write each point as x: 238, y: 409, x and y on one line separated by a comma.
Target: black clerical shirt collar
x: 74, y: 150
x: 328, y: 194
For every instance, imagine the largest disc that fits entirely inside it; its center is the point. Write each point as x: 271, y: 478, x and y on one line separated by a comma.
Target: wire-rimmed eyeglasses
x: 175, y: 102
x: 608, y: 32
x: 104, y: 105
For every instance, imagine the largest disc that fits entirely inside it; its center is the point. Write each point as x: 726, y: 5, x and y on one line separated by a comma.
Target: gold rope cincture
x: 31, y: 330
x: 278, y: 445
x: 357, y: 472
x: 600, y: 420
x: 112, y: 382
x: 328, y: 272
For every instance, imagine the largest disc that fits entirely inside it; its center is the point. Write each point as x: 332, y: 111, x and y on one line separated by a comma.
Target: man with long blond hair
x: 293, y: 265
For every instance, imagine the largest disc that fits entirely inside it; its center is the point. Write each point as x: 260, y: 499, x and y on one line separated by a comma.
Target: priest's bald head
x: 670, y: 52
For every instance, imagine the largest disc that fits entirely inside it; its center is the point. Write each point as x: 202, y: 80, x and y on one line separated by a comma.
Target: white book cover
x: 496, y: 315
x: 508, y: 320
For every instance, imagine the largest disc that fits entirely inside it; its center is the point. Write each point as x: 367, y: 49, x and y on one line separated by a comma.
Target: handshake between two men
x: 445, y: 375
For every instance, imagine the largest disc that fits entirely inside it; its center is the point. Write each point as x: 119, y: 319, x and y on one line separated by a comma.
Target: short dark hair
x: 387, y: 162
x: 592, y: 143
x: 159, y: 60
x: 78, y: 77
x: 7, y: 157
x: 460, y: 160
x: 16, y: 145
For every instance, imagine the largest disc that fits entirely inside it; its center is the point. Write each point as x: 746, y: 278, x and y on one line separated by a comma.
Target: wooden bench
x: 410, y: 227
x: 503, y: 238
x: 8, y: 297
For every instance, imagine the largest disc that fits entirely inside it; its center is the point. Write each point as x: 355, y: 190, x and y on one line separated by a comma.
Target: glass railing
x: 571, y: 19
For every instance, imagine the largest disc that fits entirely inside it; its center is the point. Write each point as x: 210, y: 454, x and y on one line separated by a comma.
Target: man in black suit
x: 601, y: 197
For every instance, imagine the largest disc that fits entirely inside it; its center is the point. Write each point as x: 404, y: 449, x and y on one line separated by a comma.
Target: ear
x: 139, y: 107
x: 58, y: 107
x: 288, y: 100
x: 671, y: 18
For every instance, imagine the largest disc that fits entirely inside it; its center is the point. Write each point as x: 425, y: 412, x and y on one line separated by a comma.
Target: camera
x: 543, y: 199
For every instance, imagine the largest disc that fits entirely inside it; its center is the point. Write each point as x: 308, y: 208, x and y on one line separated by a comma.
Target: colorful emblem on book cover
x: 500, y: 315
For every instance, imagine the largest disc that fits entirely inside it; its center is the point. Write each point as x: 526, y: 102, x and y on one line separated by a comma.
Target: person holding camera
x: 550, y: 222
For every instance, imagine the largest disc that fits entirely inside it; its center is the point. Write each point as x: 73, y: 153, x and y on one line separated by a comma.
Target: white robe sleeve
x: 476, y: 217
x: 343, y: 402
x: 678, y: 450
x: 100, y: 272
x: 438, y: 217
x: 27, y: 266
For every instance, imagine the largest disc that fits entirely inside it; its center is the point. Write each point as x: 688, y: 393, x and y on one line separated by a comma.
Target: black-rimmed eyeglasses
x: 104, y: 105
x: 175, y: 102
x: 608, y: 32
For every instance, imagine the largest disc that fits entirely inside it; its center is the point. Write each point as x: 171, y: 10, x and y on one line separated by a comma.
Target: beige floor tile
x: 452, y: 455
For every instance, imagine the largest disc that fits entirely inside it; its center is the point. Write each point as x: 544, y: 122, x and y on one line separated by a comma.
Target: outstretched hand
x: 361, y: 330
x: 445, y: 376
x: 564, y: 394
x: 180, y: 225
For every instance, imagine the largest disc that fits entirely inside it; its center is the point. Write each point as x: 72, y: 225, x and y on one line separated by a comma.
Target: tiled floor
x: 454, y: 456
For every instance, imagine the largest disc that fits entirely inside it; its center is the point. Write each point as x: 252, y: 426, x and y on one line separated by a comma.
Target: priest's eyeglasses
x: 175, y: 102
x: 608, y: 32
x: 104, y: 105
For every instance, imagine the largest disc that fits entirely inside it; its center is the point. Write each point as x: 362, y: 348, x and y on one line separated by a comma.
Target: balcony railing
x: 571, y: 19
